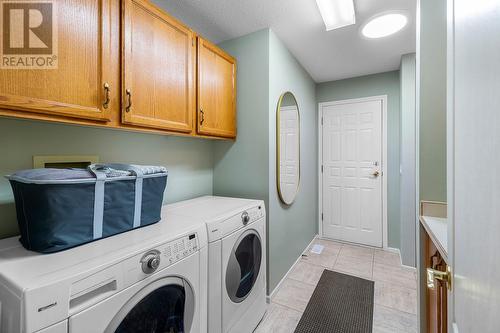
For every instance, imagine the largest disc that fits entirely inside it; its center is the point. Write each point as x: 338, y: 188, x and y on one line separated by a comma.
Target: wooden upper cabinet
x: 75, y: 87
x: 119, y: 64
x: 158, y: 82
x: 216, y: 91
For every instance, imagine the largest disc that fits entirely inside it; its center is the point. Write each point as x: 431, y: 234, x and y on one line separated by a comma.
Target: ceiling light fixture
x: 384, y: 25
x: 337, y: 13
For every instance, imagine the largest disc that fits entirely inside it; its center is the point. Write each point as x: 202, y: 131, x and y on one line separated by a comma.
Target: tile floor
x: 395, y: 287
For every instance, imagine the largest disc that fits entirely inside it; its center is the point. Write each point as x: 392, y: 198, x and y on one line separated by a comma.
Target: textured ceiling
x: 327, y: 56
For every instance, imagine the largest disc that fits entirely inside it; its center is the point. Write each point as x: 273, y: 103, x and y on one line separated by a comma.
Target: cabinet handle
x: 202, y: 116
x: 106, y: 96
x: 129, y: 95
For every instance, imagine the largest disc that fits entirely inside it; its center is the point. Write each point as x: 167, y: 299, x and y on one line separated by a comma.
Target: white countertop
x: 437, y: 228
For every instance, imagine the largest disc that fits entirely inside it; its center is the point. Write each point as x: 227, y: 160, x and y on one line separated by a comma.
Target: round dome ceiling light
x: 384, y: 25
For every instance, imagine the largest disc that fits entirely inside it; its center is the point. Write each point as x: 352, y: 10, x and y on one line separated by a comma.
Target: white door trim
x: 421, y: 325
x: 450, y: 153
x: 383, y: 99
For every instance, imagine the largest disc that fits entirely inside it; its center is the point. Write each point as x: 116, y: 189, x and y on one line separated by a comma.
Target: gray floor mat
x: 340, y: 304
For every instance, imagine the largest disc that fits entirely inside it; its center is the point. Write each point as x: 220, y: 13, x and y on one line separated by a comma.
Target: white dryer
x: 236, y: 262
x: 148, y: 280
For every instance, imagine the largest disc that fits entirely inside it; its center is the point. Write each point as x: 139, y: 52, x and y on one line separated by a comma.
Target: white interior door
x: 352, y: 171
x: 474, y: 141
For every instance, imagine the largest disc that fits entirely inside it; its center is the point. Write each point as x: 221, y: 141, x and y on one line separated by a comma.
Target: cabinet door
x: 216, y: 91
x: 79, y: 49
x: 157, y: 64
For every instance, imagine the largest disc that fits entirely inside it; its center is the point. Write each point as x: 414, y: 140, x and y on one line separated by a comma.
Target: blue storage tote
x: 61, y: 208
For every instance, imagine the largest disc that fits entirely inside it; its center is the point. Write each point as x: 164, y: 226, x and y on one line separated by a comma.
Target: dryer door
x: 166, y: 305
x: 243, y: 266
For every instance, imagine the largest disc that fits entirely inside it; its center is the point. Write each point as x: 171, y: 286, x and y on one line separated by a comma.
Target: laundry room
x: 248, y: 166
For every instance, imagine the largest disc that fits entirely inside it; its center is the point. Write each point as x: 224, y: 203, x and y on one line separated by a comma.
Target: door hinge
x: 321, y: 216
x: 321, y: 121
x: 321, y: 169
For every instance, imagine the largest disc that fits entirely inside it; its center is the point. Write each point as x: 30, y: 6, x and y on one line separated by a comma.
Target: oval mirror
x: 287, y: 148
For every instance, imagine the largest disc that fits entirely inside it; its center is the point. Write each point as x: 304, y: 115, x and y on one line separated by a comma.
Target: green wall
x: 291, y: 228
x: 188, y: 160
x: 433, y: 100
x: 374, y: 85
x: 240, y: 167
x: 246, y: 167
x: 408, y: 159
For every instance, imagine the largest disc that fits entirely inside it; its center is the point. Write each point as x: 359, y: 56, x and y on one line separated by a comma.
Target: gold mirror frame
x: 278, y: 148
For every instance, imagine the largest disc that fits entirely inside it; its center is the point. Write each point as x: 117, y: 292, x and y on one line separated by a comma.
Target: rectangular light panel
x: 337, y: 13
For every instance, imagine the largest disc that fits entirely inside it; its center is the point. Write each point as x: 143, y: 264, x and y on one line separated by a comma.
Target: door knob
x: 433, y: 275
x: 376, y: 174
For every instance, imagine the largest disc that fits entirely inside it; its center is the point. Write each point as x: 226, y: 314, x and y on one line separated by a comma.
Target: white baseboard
x: 398, y: 251
x: 410, y: 268
x: 349, y: 243
x: 393, y: 250
x: 268, y: 298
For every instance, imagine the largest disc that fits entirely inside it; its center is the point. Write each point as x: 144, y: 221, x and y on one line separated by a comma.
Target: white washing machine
x: 236, y: 261
x: 152, y: 279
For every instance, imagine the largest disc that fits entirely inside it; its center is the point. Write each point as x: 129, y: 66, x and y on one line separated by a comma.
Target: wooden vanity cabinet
x: 158, y: 61
x: 76, y: 87
x: 216, y: 114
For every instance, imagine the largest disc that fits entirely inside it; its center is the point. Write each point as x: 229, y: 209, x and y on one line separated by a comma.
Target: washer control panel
x: 159, y: 257
x: 243, y: 219
x: 255, y: 213
x: 168, y: 253
x: 179, y: 248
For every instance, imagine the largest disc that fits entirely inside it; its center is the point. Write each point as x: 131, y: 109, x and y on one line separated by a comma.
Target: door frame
x: 450, y: 154
x: 383, y: 99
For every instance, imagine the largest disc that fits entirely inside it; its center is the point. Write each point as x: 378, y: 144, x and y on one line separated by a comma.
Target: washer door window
x: 166, y: 305
x: 243, y: 266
